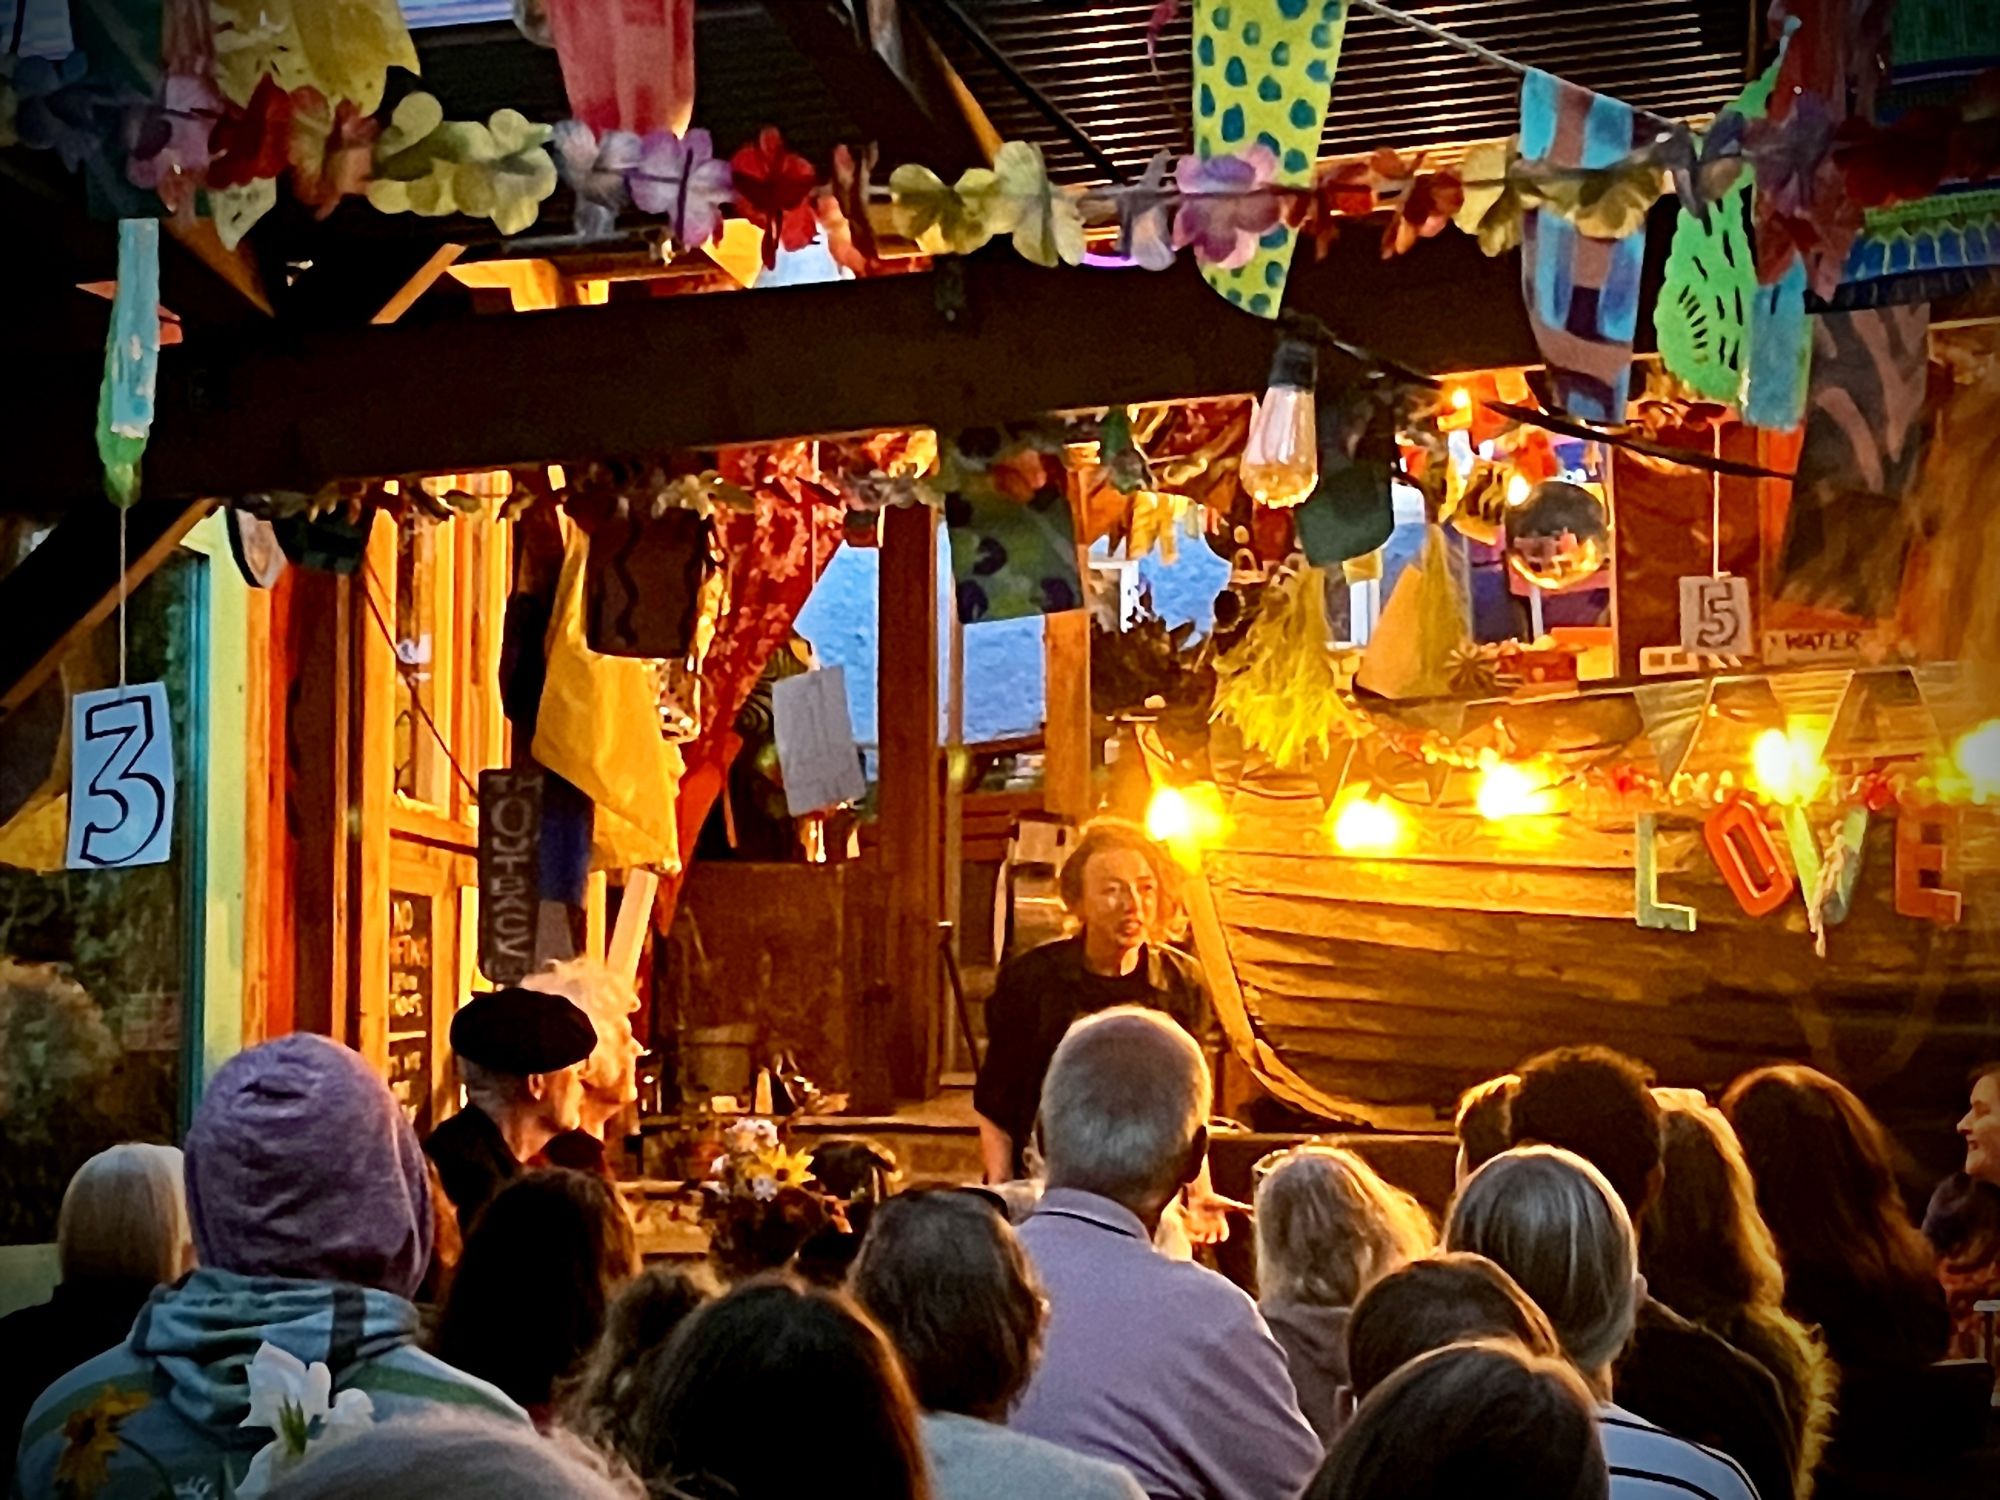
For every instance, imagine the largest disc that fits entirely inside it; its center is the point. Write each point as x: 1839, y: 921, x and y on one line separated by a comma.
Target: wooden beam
x: 72, y: 582
x: 879, y: 68
x: 975, y: 342
x: 910, y: 792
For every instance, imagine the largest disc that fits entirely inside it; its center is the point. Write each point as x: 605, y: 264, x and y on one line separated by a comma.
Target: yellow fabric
x: 599, y: 729
x: 1409, y: 655
x: 1263, y: 72
x: 37, y: 838
x: 343, y: 48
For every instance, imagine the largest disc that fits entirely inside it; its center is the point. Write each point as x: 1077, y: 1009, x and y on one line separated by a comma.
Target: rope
x: 409, y: 678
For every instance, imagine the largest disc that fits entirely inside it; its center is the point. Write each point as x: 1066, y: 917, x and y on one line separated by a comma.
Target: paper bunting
x: 626, y: 66
x: 131, y: 360
x: 1263, y: 72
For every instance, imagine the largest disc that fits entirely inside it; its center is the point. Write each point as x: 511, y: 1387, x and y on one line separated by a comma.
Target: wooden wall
x: 1385, y: 987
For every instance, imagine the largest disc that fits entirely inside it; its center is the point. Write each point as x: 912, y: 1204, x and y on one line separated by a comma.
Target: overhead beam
x: 990, y: 338
x: 71, y: 583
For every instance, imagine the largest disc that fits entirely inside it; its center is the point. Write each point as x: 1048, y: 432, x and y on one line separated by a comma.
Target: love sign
x: 121, y: 790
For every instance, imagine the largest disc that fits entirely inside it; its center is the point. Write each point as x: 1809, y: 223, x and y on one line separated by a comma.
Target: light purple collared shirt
x: 1159, y: 1365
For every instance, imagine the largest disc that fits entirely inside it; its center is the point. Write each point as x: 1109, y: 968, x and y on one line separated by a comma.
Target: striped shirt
x: 1650, y: 1463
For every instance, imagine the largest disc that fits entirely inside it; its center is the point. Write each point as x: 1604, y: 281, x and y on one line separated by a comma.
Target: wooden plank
x: 911, y: 823
x: 72, y: 582
x: 262, y: 860
x: 1488, y: 888
x: 1067, y: 789
x: 318, y: 760
x: 374, y: 779
x: 258, y: 408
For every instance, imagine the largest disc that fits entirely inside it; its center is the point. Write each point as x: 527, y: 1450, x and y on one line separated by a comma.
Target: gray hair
x: 124, y: 1217
x: 1329, y: 1227
x: 1551, y: 1221
x: 496, y: 1093
x: 1126, y: 1094
x: 445, y: 1451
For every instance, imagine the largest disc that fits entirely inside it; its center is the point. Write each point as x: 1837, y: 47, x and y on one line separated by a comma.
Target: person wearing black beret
x: 518, y: 1055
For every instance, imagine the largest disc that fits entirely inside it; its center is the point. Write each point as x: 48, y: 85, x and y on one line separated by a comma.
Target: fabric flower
x: 90, y: 1437
x: 1226, y: 206
x: 678, y: 178
x: 60, y: 107
x: 170, y: 146
x: 843, y: 211
x: 332, y: 150
x: 941, y: 218
x: 1801, y: 205
x: 774, y: 191
x: 425, y: 164
x: 1145, y: 230
x: 594, y: 169
x: 1045, y: 222
x: 253, y: 142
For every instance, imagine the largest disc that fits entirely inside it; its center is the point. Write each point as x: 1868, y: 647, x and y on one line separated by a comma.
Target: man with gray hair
x: 1156, y: 1364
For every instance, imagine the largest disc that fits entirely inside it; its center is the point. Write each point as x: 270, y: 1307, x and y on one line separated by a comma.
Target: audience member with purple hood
x: 310, y: 1206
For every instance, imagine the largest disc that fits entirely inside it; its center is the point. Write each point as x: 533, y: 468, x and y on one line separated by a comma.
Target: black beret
x: 522, y: 1032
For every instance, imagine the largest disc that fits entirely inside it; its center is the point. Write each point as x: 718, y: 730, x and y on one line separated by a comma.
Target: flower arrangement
x: 762, y: 1203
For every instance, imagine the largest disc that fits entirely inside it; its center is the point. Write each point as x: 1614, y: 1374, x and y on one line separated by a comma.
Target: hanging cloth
x: 626, y: 64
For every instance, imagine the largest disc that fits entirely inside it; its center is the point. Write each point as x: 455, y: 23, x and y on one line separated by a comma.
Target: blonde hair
x: 124, y: 1217
x: 604, y: 995
x: 1550, y: 1220
x: 1329, y: 1227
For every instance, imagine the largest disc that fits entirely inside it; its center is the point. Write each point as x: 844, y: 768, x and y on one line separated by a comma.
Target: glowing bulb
x: 1976, y: 758
x: 1186, y: 819
x: 1785, y: 765
x: 1461, y: 398
x: 1518, y: 490
x: 1280, y: 464
x: 1507, y: 790
x: 1364, y: 825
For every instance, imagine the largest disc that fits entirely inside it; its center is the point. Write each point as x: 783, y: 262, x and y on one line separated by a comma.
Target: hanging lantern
x: 1558, y: 536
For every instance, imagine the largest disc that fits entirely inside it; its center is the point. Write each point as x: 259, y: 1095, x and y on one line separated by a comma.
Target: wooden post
x: 911, y: 811
x: 374, y: 777
x: 957, y: 1047
x: 317, y: 739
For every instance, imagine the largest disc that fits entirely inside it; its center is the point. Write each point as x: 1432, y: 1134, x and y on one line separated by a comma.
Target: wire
x: 409, y: 677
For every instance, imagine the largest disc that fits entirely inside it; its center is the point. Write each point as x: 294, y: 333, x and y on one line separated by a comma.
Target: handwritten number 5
x: 130, y: 722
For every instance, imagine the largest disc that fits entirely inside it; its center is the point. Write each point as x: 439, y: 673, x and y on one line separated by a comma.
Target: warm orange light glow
x: 1368, y: 825
x: 1976, y: 759
x: 1507, y: 790
x: 1518, y: 490
x: 1785, y: 765
x: 1461, y: 398
x: 1186, y: 819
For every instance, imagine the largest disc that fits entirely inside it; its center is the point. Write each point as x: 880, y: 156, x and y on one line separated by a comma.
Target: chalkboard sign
x: 412, y: 1004
x: 510, y: 875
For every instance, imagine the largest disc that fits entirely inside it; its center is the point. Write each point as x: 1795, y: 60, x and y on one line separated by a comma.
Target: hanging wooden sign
x: 1924, y: 840
x: 1661, y: 916
x: 510, y: 872
x: 121, y: 793
x: 1748, y: 859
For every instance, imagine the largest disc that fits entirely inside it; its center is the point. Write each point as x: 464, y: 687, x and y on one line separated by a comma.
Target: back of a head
x: 124, y: 1218
x: 1124, y: 1103
x: 1482, y: 1122
x: 604, y: 1401
x: 1826, y: 1183
x: 1550, y: 1220
x: 1328, y: 1226
x: 1703, y: 1246
x: 943, y: 1274
x: 539, y: 1268
x: 763, y: 1389
x: 447, y: 1453
x: 1598, y: 1104
x: 1486, y: 1419
x: 1450, y: 1298
x: 269, y: 1196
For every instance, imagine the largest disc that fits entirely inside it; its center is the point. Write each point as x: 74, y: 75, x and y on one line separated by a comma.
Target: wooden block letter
x: 1924, y: 837
x: 1662, y: 916
x: 1747, y: 858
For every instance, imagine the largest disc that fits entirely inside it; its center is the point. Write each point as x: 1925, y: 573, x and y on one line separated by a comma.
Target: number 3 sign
x: 121, y: 787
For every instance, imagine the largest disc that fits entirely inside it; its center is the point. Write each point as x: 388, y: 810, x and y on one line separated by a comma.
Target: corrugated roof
x: 1394, y: 86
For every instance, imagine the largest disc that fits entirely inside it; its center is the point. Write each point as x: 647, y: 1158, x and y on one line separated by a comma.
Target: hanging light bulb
x: 1281, y: 458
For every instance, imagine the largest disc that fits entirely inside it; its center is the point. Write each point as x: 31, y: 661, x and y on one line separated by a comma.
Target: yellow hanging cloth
x: 599, y: 729
x: 343, y: 48
x: 1409, y: 655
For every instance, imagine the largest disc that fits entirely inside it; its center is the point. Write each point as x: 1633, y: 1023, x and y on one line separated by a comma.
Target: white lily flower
x: 279, y: 1379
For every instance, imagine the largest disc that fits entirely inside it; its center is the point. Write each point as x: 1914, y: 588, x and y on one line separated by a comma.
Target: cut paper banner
x: 816, y: 751
x: 1582, y: 293
x: 1011, y: 558
x: 121, y: 790
x: 131, y: 360
x: 1263, y: 72
x: 1847, y: 535
x: 628, y: 65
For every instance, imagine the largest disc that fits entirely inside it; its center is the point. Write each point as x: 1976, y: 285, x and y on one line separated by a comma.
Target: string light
x: 1785, y: 766
x: 1508, y: 790
x: 1361, y: 824
x: 1976, y: 759
x: 1518, y: 490
x: 1186, y: 819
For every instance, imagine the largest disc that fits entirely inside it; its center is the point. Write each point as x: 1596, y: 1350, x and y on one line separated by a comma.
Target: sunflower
x: 90, y: 1437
